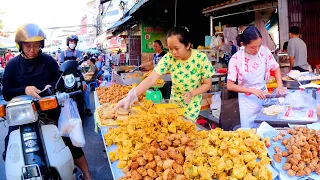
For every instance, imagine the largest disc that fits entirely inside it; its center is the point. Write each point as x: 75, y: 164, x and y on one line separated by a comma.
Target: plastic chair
x: 94, y: 83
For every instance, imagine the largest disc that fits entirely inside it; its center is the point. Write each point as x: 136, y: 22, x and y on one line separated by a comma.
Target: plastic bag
x: 70, y: 124
x: 216, y: 101
x: 215, y: 106
x: 300, y: 99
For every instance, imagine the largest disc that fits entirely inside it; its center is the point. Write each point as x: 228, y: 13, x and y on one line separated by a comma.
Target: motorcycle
x: 70, y: 81
x: 35, y: 150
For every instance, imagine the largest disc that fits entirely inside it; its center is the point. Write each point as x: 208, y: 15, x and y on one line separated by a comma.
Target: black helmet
x: 72, y: 37
x: 29, y: 33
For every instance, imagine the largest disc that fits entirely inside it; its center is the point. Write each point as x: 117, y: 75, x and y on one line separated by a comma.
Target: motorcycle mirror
x: 70, y: 65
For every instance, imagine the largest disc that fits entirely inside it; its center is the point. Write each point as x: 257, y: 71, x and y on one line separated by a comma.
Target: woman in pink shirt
x: 251, y: 66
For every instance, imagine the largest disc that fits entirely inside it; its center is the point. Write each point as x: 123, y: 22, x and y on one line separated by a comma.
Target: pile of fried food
x: 159, y: 82
x: 302, y: 151
x: 156, y: 145
x: 108, y: 116
x: 114, y: 93
x: 163, y: 160
x: 228, y: 155
x: 135, y: 75
x: 141, y: 129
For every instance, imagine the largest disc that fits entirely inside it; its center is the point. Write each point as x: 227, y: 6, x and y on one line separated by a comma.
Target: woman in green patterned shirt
x: 190, y: 70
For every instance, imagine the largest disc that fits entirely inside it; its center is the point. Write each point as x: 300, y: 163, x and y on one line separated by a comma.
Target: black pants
x: 299, y: 69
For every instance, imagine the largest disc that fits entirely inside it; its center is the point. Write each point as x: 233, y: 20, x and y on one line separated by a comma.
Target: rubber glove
x: 128, y: 100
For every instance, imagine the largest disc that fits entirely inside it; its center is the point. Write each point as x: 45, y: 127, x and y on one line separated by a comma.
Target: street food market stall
x: 155, y: 141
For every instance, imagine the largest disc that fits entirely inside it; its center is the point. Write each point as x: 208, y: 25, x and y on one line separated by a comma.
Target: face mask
x: 72, y: 46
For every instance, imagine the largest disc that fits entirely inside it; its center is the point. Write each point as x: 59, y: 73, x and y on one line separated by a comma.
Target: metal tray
x: 292, y: 84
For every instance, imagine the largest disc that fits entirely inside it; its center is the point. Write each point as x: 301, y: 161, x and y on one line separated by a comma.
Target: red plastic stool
x: 202, y: 122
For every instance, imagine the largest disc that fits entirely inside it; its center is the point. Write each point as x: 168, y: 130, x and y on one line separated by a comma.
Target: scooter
x: 36, y: 151
x: 70, y: 81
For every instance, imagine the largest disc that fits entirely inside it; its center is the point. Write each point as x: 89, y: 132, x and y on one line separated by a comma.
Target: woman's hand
x: 259, y: 93
x: 187, y: 97
x: 281, y: 90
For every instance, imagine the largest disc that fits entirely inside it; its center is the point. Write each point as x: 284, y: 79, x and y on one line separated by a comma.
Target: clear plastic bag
x: 70, y: 124
x: 300, y: 99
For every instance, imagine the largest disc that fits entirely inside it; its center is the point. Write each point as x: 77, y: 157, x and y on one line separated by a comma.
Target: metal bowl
x: 292, y: 84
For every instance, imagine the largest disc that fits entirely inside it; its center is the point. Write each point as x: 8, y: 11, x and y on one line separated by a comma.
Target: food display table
x: 273, y: 120
x: 277, y: 122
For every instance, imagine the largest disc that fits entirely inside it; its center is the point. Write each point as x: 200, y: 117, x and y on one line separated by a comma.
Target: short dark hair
x: 231, y: 42
x: 93, y: 60
x: 159, y: 42
x: 182, y: 33
x: 285, y: 45
x: 294, y: 30
x: 251, y: 33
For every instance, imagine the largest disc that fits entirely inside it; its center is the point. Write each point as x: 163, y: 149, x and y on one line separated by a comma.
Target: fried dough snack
x: 144, y: 127
x: 163, y: 160
x: 302, y: 157
x: 107, y: 114
x: 114, y: 93
x: 227, y: 155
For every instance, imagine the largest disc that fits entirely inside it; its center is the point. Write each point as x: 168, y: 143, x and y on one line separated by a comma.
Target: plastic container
x: 318, y: 101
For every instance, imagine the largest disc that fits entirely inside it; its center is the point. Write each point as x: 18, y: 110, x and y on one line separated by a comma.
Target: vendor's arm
x: 277, y: 74
x: 206, y: 72
x: 291, y: 60
x: 147, y: 83
x: 206, y: 85
x: 291, y: 54
x: 162, y: 68
x: 10, y: 87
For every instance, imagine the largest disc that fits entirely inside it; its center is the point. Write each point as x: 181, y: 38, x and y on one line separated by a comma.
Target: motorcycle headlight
x: 69, y: 81
x: 21, y: 114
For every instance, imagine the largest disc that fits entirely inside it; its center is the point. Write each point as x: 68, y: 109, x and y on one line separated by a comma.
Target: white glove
x: 128, y: 100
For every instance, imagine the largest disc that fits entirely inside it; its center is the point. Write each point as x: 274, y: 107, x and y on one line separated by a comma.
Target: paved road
x: 94, y: 150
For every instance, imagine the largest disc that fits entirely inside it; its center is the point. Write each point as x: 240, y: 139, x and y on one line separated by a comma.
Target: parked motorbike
x: 70, y: 81
x: 35, y: 150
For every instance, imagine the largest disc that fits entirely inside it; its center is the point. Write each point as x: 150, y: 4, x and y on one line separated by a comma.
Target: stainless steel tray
x: 292, y: 84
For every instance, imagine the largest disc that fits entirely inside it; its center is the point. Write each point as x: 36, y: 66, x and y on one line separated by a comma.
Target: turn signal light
x: 48, y: 103
x: 2, y: 111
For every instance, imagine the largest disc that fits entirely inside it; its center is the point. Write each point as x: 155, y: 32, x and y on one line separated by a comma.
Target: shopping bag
x: 70, y: 124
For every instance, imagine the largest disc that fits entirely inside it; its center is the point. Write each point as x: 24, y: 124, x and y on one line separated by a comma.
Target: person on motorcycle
x: 71, y: 53
x: 33, y: 71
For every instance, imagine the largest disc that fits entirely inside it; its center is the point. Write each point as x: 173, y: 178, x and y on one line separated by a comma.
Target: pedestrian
x: 297, y: 51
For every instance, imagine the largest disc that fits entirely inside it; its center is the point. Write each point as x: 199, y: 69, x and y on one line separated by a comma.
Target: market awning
x: 225, y: 5
x: 121, y: 21
x: 136, y: 6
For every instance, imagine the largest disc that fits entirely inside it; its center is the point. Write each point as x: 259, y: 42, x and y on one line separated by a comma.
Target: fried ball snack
x: 114, y: 93
x: 159, y: 167
x: 302, y: 157
x: 152, y: 126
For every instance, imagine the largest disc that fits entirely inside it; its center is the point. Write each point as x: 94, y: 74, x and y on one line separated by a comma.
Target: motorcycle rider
x: 28, y: 74
x: 71, y: 53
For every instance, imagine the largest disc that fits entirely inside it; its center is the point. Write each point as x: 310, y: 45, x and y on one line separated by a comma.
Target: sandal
x: 81, y: 177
